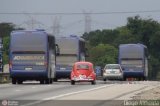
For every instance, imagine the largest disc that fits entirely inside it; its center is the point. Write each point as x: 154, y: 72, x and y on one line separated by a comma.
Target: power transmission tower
x: 87, y: 22
x: 32, y: 23
x: 56, y: 26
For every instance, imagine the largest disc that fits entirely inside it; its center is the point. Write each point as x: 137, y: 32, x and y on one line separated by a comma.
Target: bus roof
x: 23, y: 31
x: 132, y: 44
x: 27, y: 40
x: 131, y: 50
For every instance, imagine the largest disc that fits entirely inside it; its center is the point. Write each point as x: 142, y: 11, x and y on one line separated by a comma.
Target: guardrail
x: 4, y: 78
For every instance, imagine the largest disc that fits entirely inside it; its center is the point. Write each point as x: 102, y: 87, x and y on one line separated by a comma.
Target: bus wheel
x: 47, y: 81
x: 13, y: 81
x: 20, y: 82
x: 50, y: 80
x: 144, y: 78
x: 140, y: 79
x: 124, y: 79
x: 72, y: 82
x: 55, y: 79
x: 41, y: 81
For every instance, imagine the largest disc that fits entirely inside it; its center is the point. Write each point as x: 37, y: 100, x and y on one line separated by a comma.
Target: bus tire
x: 124, y: 79
x: 55, y: 79
x: 41, y: 81
x: 47, y: 81
x: 13, y: 81
x: 140, y: 78
x: 19, y: 81
x: 50, y: 80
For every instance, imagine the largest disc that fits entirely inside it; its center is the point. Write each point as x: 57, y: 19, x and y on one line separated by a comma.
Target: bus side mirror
x: 57, y: 50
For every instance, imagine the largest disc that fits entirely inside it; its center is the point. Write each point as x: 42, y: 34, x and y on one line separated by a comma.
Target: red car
x: 83, y: 71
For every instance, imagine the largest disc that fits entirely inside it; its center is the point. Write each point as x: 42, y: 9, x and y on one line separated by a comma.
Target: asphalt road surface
x: 62, y: 93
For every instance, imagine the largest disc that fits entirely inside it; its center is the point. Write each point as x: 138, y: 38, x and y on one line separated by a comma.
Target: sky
x: 75, y: 23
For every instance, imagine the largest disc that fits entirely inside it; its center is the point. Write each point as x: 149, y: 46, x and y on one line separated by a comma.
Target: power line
x: 79, y: 13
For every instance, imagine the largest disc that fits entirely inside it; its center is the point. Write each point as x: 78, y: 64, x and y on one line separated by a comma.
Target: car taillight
x: 72, y: 74
x: 91, y: 75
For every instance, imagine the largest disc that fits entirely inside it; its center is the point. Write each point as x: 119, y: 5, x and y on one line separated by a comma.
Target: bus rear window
x: 33, y: 42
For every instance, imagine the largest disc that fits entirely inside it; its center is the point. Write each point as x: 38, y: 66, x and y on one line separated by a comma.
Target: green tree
x: 6, y: 49
x: 5, y: 30
x: 137, y: 30
x: 103, y: 54
x: 124, y: 36
x: 143, y: 29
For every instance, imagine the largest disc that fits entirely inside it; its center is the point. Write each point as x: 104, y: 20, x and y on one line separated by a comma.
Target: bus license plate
x: 62, y: 68
x: 28, y: 68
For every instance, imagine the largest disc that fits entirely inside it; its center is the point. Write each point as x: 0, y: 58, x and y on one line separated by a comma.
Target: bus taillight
x: 46, y: 64
x: 10, y: 64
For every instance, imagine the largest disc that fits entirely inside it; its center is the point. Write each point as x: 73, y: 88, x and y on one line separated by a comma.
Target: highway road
x: 33, y: 93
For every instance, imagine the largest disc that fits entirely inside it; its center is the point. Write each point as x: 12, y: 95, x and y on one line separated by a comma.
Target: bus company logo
x: 28, y: 58
x: 4, y: 102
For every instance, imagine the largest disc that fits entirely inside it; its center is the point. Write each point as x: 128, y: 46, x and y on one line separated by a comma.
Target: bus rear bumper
x: 133, y: 74
x: 28, y: 75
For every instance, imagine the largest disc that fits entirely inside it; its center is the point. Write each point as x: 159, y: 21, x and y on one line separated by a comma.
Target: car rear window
x: 82, y: 66
x: 112, y: 67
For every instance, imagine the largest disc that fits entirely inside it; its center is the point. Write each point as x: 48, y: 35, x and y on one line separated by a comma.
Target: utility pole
x: 87, y: 22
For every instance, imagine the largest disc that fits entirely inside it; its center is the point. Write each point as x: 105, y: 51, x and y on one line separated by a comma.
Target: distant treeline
x: 103, y: 44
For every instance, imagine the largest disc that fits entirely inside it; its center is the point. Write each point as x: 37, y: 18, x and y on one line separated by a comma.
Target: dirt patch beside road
x: 152, y: 94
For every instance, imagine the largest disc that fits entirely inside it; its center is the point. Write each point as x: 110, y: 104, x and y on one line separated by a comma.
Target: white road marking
x: 33, y: 87
x: 67, y: 94
x: 18, y: 90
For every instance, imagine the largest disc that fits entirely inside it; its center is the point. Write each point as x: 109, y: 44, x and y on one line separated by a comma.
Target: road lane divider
x: 67, y: 94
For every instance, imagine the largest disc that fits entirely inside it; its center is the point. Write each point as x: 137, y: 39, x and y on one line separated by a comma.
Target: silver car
x: 112, y: 71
